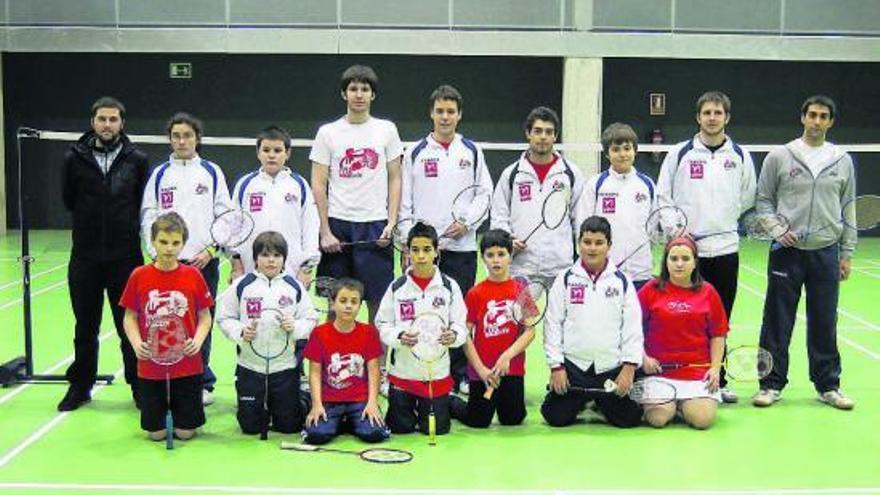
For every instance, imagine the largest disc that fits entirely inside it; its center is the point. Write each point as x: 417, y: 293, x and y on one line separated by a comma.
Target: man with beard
x: 103, y: 184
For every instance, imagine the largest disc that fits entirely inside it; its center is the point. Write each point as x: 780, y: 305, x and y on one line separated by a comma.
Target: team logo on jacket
x: 464, y: 163
x: 342, y: 367
x: 576, y: 294
x: 678, y: 306
x: 612, y: 292
x: 558, y: 185
x: 356, y: 161
x: 253, y: 306
x: 289, y: 197
x: 285, y: 301
x: 795, y: 172
x: 255, y: 202
x: 609, y: 204
x: 430, y: 167
x: 697, y: 169
x: 407, y: 310
x: 166, y: 198
x: 524, y: 191
x: 729, y: 164
x: 201, y: 189
x: 438, y: 302
x: 641, y: 197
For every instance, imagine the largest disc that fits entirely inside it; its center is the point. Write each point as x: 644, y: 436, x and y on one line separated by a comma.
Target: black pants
x: 211, y: 274
x: 723, y: 273
x: 88, y: 280
x: 562, y: 410
x: 508, y: 401
x: 790, y: 269
x: 408, y: 412
x: 462, y: 267
x: 285, y: 412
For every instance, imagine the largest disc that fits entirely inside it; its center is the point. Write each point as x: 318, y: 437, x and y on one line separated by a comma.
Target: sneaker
x: 766, y: 397
x: 207, y: 397
x: 729, y: 396
x: 74, y: 398
x: 836, y: 399
x: 464, y: 388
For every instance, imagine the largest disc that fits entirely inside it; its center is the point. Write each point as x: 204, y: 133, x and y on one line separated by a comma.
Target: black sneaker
x: 74, y: 398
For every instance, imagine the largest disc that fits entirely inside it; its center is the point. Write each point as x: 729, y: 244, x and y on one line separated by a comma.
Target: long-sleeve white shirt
x: 283, y: 204
x: 713, y: 190
x: 249, y: 295
x: 403, y: 302
x: 593, y: 321
x: 626, y: 200
x: 196, y: 190
x: 517, y: 208
x: 433, y: 176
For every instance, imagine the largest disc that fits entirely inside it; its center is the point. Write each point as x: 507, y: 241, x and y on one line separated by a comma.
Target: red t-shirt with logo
x: 343, y: 358
x: 489, y: 305
x: 678, y: 325
x: 152, y: 293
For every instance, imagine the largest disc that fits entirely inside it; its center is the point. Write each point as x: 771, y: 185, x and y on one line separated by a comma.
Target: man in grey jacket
x: 808, y: 181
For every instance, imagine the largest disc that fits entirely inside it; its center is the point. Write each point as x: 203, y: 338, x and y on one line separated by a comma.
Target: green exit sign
x: 180, y: 70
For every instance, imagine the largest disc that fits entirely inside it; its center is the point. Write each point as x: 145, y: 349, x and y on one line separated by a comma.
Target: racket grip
x: 432, y: 430
x: 490, y: 391
x: 775, y: 246
x: 169, y: 431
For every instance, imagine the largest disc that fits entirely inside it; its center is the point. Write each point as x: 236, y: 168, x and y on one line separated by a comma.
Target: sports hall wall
x: 236, y: 95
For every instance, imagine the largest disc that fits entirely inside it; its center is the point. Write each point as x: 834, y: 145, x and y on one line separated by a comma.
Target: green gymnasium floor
x: 797, y: 446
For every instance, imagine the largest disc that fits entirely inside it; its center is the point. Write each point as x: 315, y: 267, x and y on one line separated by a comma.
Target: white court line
x: 872, y: 326
x: 398, y: 491
x: 16, y: 283
x: 855, y: 345
x: 52, y: 369
x: 869, y: 272
x: 41, y: 432
x: 35, y: 294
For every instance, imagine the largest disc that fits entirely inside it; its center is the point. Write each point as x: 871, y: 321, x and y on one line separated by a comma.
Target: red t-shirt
x: 422, y: 283
x: 678, y: 325
x: 150, y: 292
x: 489, y: 306
x: 543, y: 169
x: 343, y: 358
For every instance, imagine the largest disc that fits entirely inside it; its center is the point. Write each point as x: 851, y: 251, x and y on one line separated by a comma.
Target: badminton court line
x: 17, y: 282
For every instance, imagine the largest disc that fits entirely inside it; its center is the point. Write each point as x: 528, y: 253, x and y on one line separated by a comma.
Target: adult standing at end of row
x: 103, y: 184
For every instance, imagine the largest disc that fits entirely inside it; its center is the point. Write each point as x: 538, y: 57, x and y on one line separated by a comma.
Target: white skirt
x: 657, y: 388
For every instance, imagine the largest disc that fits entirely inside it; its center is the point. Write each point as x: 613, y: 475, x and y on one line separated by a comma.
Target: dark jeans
x: 508, y: 401
x: 88, y: 280
x: 461, y: 267
x: 350, y: 412
x: 723, y: 273
x: 562, y: 410
x: 285, y: 409
x: 818, y: 271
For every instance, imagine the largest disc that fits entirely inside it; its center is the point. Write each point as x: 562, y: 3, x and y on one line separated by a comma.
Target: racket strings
x: 866, y: 212
x: 232, y: 228
x: 386, y: 456
x: 666, y: 223
x: 166, y: 340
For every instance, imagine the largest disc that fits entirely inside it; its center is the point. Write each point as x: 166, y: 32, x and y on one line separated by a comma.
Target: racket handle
x: 169, y: 431
x: 775, y: 246
x: 432, y: 430
x: 490, y: 391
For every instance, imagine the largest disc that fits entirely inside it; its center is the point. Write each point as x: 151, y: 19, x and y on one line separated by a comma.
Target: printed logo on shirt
x: 255, y: 202
x: 576, y: 294
x: 166, y: 198
x: 253, y: 306
x: 498, y: 318
x: 729, y: 164
x: 679, y: 307
x: 794, y: 172
x: 641, y: 197
x: 285, y: 301
x: 430, y: 166
x: 609, y: 204
x: 524, y: 191
x: 697, y: 169
x: 612, y: 292
x: 342, y: 367
x: 558, y: 184
x: 438, y: 302
x: 464, y: 163
x: 289, y: 197
x: 201, y: 189
x: 407, y: 310
x: 164, y: 303
x: 357, y: 160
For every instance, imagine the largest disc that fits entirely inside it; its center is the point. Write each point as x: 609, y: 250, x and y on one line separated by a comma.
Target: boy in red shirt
x: 496, y: 343
x: 156, y: 290
x: 343, y: 359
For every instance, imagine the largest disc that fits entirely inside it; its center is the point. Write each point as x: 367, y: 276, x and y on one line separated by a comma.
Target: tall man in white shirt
x: 195, y: 189
x: 356, y: 183
x: 435, y: 171
x: 592, y: 333
x: 712, y: 179
x: 626, y: 198
x: 519, y: 196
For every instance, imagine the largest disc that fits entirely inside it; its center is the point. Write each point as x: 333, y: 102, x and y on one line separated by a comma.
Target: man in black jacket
x: 103, y: 184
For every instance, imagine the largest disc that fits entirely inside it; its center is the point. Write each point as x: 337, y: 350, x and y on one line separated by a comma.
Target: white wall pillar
x: 582, y: 109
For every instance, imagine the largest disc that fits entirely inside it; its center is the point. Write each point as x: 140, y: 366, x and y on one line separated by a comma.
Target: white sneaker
x: 464, y: 388
x: 836, y: 399
x: 766, y: 397
x: 729, y: 396
x: 207, y: 397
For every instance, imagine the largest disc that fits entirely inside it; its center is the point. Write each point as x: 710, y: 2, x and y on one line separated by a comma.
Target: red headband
x: 684, y: 240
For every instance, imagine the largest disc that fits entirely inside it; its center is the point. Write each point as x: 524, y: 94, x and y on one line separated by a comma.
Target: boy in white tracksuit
x: 240, y: 306
x: 519, y: 197
x: 423, y: 289
x: 592, y: 333
x: 626, y: 198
